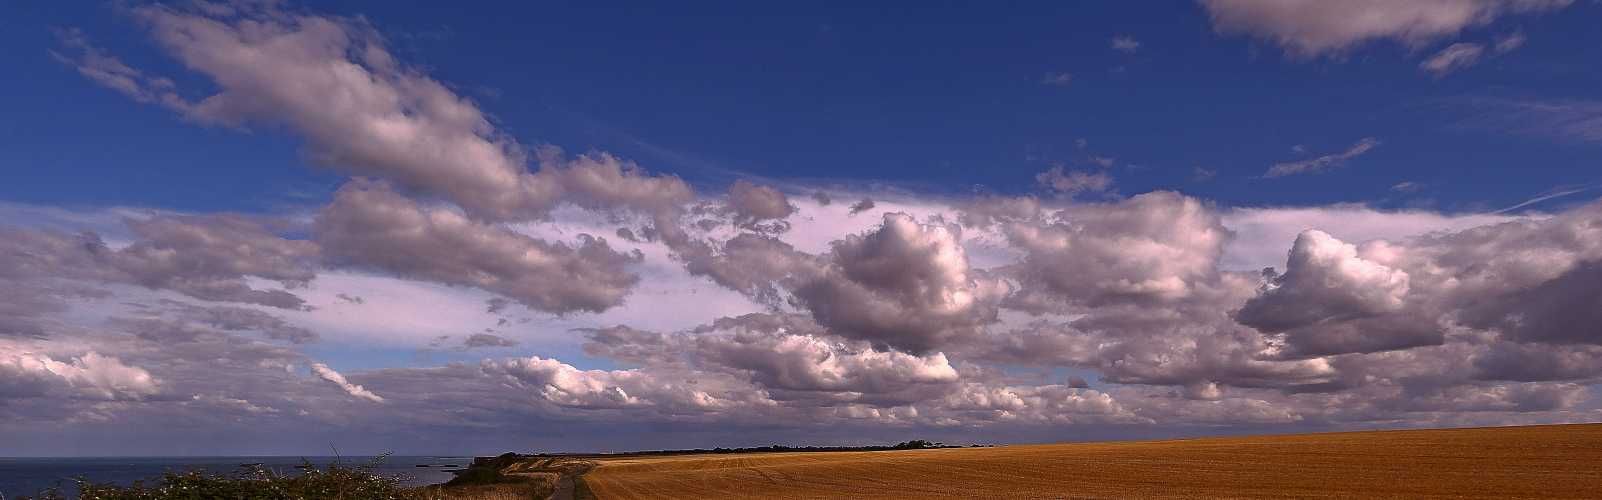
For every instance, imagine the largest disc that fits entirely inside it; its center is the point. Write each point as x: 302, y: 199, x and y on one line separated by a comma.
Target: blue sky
x: 944, y: 96
x: 706, y: 224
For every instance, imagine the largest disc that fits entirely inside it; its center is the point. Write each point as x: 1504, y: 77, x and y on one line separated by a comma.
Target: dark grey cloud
x: 756, y: 265
x: 165, y: 331
x: 1153, y: 247
x: 795, y: 366
x: 496, y: 305
x: 864, y: 205
x: 1330, y: 301
x: 1040, y: 343
x: 1564, y: 310
x: 600, y: 181
x: 752, y: 264
x: 1425, y: 396
x: 488, y: 340
x: 752, y: 203
x: 370, y: 224
x: 1074, y: 182
x: 630, y: 346
x: 214, y: 247
x: 1184, y: 344
x: 906, y: 285
x: 20, y: 382
x: 239, y: 318
x: 23, y: 304
x: 206, y: 257
x: 985, y: 212
x: 1538, y: 362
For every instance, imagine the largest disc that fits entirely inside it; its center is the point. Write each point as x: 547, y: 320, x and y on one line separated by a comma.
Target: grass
x: 490, y: 483
x: 512, y: 491
x: 1563, y: 461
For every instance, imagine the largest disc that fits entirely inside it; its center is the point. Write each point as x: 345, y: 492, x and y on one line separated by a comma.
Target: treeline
x: 916, y: 444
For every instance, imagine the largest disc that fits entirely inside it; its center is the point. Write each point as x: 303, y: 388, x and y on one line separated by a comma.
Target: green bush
x: 253, y: 483
x: 484, y: 475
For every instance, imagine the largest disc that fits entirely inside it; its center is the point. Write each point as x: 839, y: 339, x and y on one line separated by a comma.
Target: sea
x: 29, y: 476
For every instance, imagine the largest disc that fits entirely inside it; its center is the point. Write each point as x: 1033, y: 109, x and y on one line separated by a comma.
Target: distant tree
x: 916, y: 444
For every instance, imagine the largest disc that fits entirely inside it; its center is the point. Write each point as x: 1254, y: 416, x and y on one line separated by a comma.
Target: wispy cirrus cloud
x: 1462, y: 55
x: 1457, y: 55
x: 1563, y: 120
x: 1323, y: 163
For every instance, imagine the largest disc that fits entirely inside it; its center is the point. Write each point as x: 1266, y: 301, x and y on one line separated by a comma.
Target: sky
x: 263, y: 227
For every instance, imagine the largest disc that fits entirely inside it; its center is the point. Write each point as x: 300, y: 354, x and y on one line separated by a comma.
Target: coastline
x: 21, y: 476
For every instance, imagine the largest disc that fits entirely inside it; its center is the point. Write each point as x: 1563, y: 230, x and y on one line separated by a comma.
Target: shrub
x: 484, y: 475
x: 253, y: 483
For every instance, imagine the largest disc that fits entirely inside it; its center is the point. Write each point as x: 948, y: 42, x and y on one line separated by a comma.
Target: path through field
x: 564, y: 489
x: 1562, y: 461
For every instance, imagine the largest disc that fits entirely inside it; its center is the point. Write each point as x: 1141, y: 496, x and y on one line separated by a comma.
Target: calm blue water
x: 28, y: 476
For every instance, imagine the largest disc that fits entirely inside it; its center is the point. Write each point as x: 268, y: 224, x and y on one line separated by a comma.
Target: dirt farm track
x: 1554, y: 461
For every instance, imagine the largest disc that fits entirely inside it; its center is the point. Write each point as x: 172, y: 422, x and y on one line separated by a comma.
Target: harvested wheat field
x: 1553, y: 461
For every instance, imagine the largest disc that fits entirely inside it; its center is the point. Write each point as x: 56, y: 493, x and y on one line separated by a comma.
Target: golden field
x: 1553, y: 461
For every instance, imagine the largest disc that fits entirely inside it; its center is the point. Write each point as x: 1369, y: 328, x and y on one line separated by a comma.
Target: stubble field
x: 1556, y: 461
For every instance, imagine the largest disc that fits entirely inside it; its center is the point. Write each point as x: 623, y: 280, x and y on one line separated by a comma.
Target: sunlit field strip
x: 1563, y: 461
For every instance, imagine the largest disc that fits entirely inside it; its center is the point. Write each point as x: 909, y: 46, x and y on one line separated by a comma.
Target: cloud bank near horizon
x: 894, y: 312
